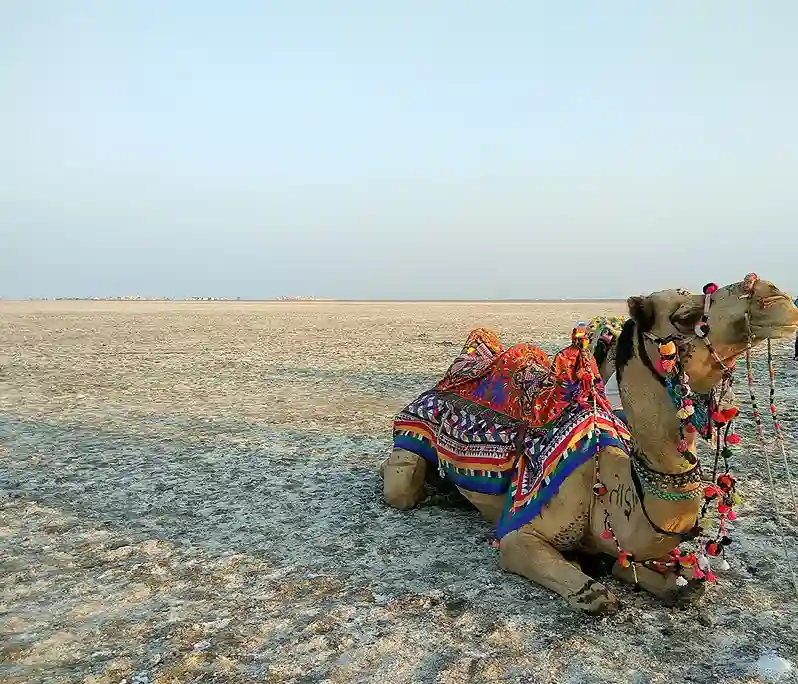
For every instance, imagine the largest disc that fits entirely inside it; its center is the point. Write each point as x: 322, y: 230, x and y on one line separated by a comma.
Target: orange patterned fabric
x: 522, y: 382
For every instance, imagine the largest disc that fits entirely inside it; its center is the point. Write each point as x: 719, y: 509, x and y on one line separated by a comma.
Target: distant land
x: 321, y: 300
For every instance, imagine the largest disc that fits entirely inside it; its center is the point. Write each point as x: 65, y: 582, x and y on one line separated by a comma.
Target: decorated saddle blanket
x: 512, y: 422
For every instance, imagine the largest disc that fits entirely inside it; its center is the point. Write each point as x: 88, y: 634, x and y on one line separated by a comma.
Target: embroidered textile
x: 511, y: 422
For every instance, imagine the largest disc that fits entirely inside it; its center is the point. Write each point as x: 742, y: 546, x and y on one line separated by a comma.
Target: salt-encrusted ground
x: 189, y: 493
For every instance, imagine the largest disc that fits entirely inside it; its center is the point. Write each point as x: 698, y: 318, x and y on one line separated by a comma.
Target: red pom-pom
x: 732, y: 516
x: 733, y: 439
x: 731, y: 413
x: 690, y: 428
x: 606, y: 534
x: 723, y: 508
x: 710, y: 288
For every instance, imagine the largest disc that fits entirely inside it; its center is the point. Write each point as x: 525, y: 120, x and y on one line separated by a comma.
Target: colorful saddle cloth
x: 512, y: 422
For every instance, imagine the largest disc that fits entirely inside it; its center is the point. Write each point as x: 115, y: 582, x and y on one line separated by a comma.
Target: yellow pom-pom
x: 667, y: 349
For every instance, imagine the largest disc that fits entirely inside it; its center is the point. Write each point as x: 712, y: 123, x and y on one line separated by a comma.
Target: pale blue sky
x: 386, y: 149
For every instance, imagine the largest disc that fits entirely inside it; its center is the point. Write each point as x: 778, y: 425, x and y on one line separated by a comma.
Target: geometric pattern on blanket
x: 548, y: 459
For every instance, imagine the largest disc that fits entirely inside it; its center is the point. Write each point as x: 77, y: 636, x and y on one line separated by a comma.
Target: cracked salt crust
x: 190, y: 475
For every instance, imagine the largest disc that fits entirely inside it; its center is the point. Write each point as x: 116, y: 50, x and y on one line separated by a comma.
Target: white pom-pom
x: 724, y: 565
x: 681, y: 581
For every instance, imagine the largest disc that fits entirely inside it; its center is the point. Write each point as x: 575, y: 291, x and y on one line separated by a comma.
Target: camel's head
x: 749, y: 311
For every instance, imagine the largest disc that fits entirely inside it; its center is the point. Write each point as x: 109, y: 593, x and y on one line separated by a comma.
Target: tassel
x: 724, y: 565
x: 697, y: 574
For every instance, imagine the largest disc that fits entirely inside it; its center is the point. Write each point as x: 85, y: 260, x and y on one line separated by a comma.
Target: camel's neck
x: 648, y: 406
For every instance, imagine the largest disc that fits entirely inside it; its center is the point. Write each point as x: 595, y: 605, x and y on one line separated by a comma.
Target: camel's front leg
x: 663, y: 586
x: 525, y: 553
x: 403, y: 479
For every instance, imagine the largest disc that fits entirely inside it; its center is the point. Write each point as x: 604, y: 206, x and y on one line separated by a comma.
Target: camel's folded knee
x: 403, y: 476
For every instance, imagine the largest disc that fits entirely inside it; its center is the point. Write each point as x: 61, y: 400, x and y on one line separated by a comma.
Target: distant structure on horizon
x: 299, y: 298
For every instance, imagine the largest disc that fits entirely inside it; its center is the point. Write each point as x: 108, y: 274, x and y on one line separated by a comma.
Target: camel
x: 607, y: 505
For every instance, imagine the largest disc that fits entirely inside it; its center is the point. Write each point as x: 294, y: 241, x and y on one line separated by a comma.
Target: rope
x: 763, y: 443
x: 777, y: 427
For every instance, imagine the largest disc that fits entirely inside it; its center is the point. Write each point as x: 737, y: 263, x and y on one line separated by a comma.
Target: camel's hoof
x: 595, y: 599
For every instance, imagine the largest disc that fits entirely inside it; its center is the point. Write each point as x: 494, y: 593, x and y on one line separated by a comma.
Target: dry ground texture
x: 189, y: 493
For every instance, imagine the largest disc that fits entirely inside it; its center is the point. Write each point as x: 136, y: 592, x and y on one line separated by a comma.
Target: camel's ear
x: 641, y: 309
x: 687, y: 315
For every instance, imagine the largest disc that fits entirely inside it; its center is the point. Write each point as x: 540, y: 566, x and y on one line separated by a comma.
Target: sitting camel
x: 638, y: 494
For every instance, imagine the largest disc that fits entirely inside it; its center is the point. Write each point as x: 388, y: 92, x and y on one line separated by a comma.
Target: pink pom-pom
x: 682, y: 445
x: 710, y: 576
x: 733, y: 439
x: 732, y: 515
x: 606, y: 534
x: 697, y: 572
x: 749, y: 282
x: 665, y: 366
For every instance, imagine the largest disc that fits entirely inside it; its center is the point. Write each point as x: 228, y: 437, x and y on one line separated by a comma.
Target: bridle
x: 673, y: 350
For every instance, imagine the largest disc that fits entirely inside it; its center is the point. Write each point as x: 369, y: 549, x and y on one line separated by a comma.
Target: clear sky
x: 396, y: 149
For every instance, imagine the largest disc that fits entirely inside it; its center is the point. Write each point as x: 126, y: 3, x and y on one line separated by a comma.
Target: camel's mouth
x: 775, y: 318
x: 773, y: 332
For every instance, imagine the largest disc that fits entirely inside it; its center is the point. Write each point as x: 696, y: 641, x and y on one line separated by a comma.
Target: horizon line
x: 313, y: 300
